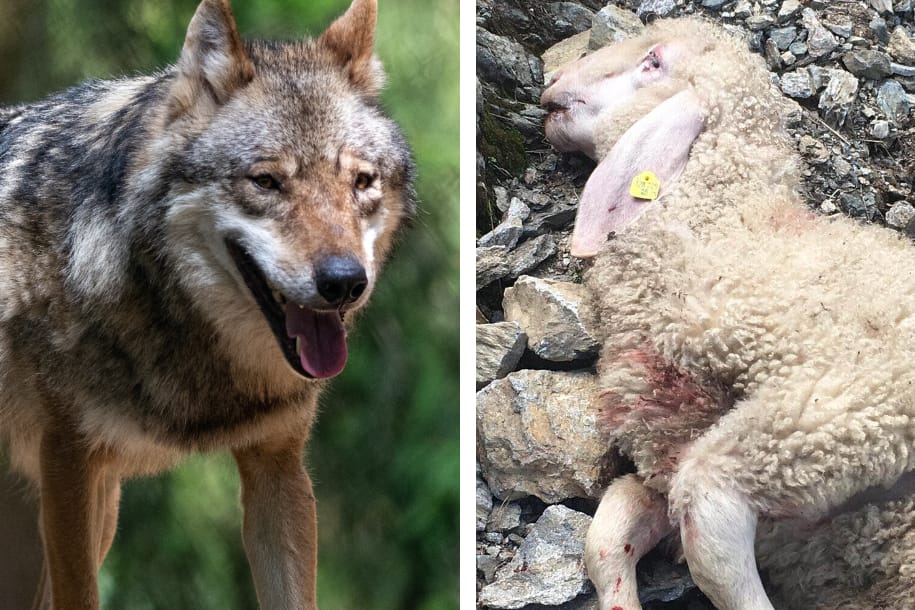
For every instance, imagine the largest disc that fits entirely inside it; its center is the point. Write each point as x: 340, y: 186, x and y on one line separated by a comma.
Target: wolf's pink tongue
x: 322, y: 348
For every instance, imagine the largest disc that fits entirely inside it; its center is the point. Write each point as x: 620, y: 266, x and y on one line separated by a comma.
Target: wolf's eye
x: 363, y: 181
x: 265, y: 182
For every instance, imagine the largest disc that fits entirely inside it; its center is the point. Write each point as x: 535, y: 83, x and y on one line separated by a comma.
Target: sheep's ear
x: 351, y: 40
x: 654, y: 150
x: 213, y: 62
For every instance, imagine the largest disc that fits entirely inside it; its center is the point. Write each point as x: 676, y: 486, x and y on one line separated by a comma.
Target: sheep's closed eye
x: 652, y: 60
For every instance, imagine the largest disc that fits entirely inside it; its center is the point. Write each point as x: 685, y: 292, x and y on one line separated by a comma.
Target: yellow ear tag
x: 645, y: 186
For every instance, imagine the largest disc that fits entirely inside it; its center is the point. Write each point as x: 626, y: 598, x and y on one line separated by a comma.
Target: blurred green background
x: 384, y: 454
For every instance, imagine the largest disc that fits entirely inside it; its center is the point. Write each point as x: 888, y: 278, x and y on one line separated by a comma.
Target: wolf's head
x: 292, y: 181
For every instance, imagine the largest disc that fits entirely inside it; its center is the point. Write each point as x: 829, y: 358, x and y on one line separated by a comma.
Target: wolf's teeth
x: 277, y: 295
x: 298, y: 345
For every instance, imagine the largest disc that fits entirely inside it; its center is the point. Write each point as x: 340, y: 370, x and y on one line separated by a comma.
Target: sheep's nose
x: 547, y: 95
x: 554, y: 100
x: 340, y: 279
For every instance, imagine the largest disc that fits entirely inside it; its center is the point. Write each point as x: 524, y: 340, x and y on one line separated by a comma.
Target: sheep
x: 757, y: 360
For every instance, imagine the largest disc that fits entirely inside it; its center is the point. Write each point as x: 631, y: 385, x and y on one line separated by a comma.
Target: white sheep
x: 758, y: 359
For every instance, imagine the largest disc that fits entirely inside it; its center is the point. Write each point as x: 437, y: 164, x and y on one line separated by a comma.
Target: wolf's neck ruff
x: 320, y: 339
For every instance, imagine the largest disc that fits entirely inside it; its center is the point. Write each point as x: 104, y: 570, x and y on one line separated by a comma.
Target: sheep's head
x: 607, y: 81
x: 637, y: 107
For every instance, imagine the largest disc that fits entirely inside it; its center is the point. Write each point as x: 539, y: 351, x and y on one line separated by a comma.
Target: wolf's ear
x: 351, y: 39
x: 213, y: 62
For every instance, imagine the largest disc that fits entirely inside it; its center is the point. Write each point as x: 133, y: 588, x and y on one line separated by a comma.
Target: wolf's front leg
x: 280, y: 524
x: 629, y: 522
x: 70, y: 474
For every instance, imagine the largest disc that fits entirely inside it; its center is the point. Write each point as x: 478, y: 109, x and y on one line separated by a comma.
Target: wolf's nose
x: 340, y: 279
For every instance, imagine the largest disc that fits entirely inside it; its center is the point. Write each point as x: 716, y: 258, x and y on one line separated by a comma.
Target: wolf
x: 181, y: 256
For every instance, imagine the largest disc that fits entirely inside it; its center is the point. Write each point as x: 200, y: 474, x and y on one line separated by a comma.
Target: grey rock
x: 878, y: 27
x: 556, y: 317
x: 492, y: 265
x: 529, y: 121
x: 509, y: 230
x: 536, y: 200
x: 505, y: 63
x: 892, y: 101
x: 487, y: 564
x: 660, y: 581
x: 788, y: 10
x: 828, y: 206
x: 530, y: 254
x: 548, y: 568
x: 773, y: 57
x: 484, y: 11
x: 840, y: 25
x: 582, y: 602
x: 509, y: 14
x: 556, y: 216
x: 813, y: 150
x: 858, y: 205
x: 743, y: 9
x: 900, y: 215
x: 501, y: 195
x: 756, y: 40
x: 612, y: 24
x: 788, y: 58
x: 901, y: 46
x: 484, y: 503
x: 655, y: 8
x: 841, y: 166
x: 504, y: 517
x: 515, y: 539
x: 882, y: 6
x: 902, y: 6
x: 798, y: 48
x: 880, y: 129
x: 715, y: 4
x: 867, y: 63
x: 819, y: 76
x: 820, y: 41
x: 798, y: 84
x: 783, y: 37
x: 499, y: 348
x: 760, y: 22
x: 570, y: 18
x: 537, y: 435
x: 838, y: 96
x: 902, y: 70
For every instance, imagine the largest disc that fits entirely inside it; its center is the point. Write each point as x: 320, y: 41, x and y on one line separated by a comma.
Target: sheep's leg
x: 630, y: 520
x: 718, y: 530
